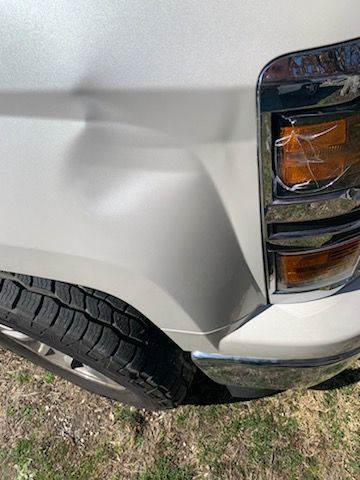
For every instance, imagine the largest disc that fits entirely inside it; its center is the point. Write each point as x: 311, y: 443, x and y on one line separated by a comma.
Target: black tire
x: 100, y: 331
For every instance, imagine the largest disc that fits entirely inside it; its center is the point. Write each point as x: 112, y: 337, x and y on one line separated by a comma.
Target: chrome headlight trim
x: 319, y: 78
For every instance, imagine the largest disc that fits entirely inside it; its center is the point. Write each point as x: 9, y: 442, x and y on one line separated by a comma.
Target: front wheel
x: 94, y: 340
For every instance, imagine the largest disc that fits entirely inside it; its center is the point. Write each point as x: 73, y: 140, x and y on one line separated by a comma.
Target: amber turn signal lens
x: 317, y: 269
x: 319, y: 152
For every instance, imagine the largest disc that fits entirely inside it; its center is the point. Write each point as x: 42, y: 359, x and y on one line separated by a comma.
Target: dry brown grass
x: 50, y: 429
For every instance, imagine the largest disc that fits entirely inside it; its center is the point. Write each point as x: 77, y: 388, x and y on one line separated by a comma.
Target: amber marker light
x: 318, y: 153
x: 316, y: 269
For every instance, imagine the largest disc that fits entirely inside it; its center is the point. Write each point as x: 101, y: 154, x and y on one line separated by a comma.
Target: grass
x: 50, y: 429
x: 166, y: 469
x: 20, y: 376
x: 49, y: 377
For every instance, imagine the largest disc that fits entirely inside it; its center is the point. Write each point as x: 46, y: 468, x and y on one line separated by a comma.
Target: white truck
x: 180, y: 193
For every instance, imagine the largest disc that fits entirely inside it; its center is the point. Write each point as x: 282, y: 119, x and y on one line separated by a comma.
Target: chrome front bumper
x: 271, y: 374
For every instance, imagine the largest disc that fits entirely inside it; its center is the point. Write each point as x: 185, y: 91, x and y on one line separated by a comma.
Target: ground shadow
x: 343, y: 379
x: 204, y: 391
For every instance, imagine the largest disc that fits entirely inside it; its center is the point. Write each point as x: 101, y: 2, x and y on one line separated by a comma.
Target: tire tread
x: 102, y: 328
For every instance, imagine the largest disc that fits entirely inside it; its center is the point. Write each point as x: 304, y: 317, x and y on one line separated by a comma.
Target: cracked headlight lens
x: 318, y: 152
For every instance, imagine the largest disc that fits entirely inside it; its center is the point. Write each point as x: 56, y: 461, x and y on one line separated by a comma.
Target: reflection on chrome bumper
x: 271, y: 373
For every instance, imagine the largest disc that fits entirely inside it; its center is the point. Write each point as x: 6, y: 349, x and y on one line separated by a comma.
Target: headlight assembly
x: 309, y: 124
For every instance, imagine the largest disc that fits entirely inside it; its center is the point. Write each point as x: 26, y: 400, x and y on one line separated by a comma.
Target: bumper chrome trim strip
x: 271, y: 373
